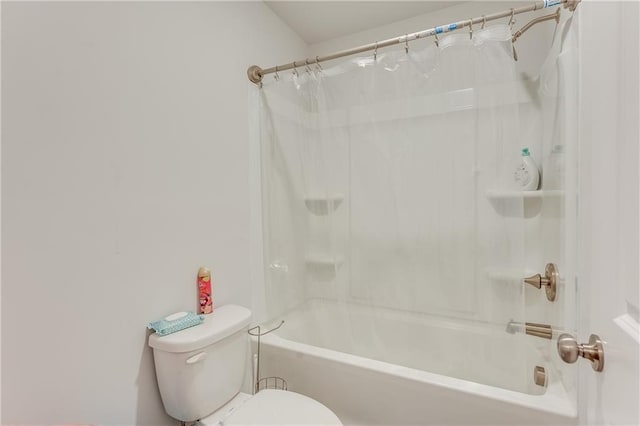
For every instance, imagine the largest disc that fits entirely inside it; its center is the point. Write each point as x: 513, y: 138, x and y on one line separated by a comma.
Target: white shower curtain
x: 388, y: 184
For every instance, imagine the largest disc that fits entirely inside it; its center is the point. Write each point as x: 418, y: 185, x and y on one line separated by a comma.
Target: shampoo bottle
x: 527, y: 175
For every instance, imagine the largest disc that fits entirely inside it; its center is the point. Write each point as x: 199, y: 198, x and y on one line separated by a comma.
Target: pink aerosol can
x: 204, y: 291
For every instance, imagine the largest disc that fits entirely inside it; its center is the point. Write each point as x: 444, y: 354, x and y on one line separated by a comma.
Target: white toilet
x: 201, y: 369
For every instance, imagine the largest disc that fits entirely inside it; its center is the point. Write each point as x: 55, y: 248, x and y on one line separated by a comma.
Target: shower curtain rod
x: 255, y: 73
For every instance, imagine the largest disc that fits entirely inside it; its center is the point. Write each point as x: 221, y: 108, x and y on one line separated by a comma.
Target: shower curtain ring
x: 406, y: 43
x: 511, y: 21
x: 470, y: 29
x: 306, y: 65
x: 318, y: 64
x: 437, y: 42
x: 375, y: 52
x: 276, y: 75
x: 295, y: 71
x: 484, y: 22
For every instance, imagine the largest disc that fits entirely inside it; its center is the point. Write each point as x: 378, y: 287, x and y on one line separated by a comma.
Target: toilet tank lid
x: 223, y: 322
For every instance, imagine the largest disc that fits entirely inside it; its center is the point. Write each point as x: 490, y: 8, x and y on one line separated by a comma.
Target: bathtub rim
x: 555, y: 400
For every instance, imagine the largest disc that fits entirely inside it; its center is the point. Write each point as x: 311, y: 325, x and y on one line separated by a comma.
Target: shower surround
x: 396, y: 240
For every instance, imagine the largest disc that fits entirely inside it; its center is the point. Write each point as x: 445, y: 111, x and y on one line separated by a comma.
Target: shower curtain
x: 388, y: 188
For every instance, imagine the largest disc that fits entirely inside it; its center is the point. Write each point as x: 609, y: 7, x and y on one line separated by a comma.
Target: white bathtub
x: 427, y: 372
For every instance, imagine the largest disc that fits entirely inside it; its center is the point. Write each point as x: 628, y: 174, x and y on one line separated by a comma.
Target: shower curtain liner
x: 377, y: 183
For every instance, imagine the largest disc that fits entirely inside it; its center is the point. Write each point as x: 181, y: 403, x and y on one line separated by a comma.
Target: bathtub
x: 414, y: 369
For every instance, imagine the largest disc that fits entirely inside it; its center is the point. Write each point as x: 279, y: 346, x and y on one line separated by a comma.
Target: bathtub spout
x: 531, y: 328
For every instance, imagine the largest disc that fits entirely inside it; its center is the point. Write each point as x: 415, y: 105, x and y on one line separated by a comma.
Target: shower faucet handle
x: 569, y: 350
x: 549, y: 280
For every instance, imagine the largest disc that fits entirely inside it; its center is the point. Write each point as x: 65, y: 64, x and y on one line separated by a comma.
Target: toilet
x: 201, y: 370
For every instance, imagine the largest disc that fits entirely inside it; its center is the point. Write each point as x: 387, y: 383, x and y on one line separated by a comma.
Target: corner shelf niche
x: 320, y: 205
x: 322, y: 266
x: 323, y: 261
x: 503, y: 195
x: 510, y: 203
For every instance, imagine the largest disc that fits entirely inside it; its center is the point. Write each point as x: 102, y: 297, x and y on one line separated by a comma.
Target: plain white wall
x: 125, y: 167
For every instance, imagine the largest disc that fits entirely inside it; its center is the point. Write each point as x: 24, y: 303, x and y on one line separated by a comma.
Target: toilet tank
x: 199, y: 369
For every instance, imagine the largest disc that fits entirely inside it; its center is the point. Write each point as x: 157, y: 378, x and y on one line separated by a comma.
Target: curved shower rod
x: 255, y: 73
x: 537, y: 20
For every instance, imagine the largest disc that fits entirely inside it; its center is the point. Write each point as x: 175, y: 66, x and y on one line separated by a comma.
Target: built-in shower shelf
x: 322, y: 205
x: 499, y: 195
x: 324, y: 261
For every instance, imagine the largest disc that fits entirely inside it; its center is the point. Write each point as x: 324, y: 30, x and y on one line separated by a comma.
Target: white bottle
x: 527, y: 175
x: 554, y: 177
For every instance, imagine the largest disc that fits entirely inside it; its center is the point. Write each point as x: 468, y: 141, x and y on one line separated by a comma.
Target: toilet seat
x: 278, y: 407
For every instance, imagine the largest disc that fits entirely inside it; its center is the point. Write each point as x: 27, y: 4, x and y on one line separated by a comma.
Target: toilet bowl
x: 272, y: 407
x: 200, y: 371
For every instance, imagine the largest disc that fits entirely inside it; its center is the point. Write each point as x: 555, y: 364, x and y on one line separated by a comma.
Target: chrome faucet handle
x: 549, y: 281
x: 569, y: 350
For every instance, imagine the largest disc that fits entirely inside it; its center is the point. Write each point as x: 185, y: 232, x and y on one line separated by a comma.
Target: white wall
x: 125, y: 167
